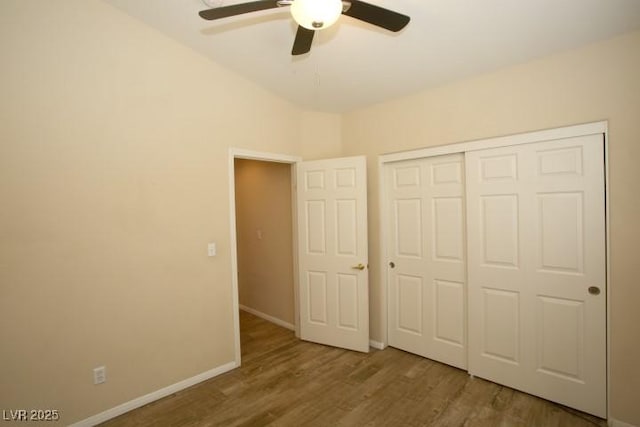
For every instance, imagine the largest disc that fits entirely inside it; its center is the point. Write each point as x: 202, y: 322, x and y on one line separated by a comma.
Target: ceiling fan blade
x: 237, y: 9
x: 376, y: 15
x: 302, y: 43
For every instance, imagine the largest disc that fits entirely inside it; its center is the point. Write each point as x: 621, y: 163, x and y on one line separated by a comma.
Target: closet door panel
x: 427, y: 283
x: 495, y: 231
x: 537, y: 281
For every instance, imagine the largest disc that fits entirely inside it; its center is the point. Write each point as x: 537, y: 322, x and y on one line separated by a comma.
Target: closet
x: 495, y: 254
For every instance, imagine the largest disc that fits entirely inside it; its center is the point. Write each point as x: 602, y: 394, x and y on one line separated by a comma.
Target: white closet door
x: 427, y: 291
x: 536, y: 248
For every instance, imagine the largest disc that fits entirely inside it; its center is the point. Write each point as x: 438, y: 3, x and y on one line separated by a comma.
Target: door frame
x: 600, y: 127
x: 239, y: 153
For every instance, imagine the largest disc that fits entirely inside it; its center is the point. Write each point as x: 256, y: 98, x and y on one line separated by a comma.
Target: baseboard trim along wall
x: 153, y: 396
x: 268, y: 318
x: 616, y: 423
x: 377, y: 345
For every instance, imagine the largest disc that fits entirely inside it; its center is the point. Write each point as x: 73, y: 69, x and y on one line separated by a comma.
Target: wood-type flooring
x: 284, y: 381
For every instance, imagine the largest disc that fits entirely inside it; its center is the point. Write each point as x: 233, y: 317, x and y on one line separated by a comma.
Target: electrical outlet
x: 99, y: 375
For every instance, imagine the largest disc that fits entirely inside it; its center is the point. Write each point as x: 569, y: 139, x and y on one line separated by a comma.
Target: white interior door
x: 426, y: 255
x: 536, y: 271
x: 332, y: 252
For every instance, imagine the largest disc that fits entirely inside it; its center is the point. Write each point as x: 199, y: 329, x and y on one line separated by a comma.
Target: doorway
x: 264, y: 230
x: 263, y: 238
x: 329, y: 247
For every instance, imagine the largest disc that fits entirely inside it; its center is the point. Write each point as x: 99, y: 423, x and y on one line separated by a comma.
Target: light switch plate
x: 211, y: 249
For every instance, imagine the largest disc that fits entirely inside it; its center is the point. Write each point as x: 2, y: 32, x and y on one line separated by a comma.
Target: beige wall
x: 598, y: 82
x: 321, y: 135
x: 113, y: 178
x: 264, y: 236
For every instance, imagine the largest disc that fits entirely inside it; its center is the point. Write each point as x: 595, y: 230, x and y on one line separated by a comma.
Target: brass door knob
x: 358, y: 267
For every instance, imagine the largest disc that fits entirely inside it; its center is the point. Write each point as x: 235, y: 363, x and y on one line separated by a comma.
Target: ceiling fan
x: 313, y: 15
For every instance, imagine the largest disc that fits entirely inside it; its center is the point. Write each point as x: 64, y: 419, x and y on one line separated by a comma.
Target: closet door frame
x: 593, y: 128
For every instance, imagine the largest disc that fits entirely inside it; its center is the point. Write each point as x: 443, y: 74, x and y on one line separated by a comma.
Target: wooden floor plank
x: 287, y: 382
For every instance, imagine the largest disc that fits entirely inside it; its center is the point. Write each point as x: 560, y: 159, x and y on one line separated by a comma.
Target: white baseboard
x: 153, y: 396
x: 268, y: 318
x: 616, y: 423
x: 377, y: 345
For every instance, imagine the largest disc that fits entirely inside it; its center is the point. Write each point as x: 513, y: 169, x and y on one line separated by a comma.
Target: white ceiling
x: 353, y: 64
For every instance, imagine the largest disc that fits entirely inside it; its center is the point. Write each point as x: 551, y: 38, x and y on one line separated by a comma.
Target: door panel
x: 315, y: 226
x: 409, y: 303
x: 332, y: 231
x: 346, y: 228
x: 560, y: 232
x: 500, y: 234
x: 501, y: 325
x: 317, y: 297
x: 536, y: 244
x: 348, y: 301
x: 409, y: 228
x: 446, y: 228
x: 449, y: 312
x: 560, y: 337
x: 427, y: 290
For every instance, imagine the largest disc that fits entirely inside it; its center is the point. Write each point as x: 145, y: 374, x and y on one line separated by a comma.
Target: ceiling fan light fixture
x: 316, y: 14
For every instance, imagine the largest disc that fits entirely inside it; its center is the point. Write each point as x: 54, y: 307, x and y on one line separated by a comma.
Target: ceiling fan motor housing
x: 316, y: 14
